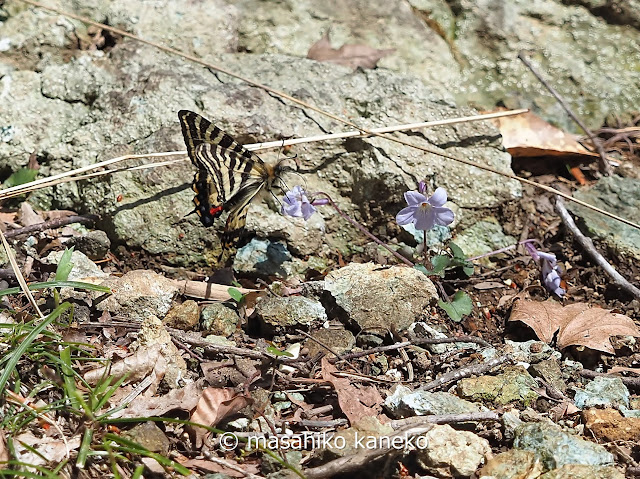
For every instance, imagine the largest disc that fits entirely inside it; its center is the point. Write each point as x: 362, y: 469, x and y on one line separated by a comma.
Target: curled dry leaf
x: 577, y: 324
x: 355, y: 402
x: 185, y: 399
x: 136, y: 367
x: 529, y: 135
x: 348, y: 55
x: 214, y: 405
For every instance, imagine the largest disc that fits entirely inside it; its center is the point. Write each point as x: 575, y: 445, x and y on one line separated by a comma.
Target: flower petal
x: 292, y: 209
x: 425, y: 218
x: 406, y: 215
x: 550, y: 257
x: 443, y: 216
x: 438, y: 198
x: 414, y: 198
x: 307, y: 210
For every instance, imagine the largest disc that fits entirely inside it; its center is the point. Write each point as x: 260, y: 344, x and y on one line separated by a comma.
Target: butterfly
x: 229, y: 176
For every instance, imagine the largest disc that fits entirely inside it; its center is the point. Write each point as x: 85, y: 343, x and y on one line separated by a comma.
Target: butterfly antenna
x: 276, y: 198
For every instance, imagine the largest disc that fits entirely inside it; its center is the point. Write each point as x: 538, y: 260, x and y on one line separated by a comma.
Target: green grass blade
x: 64, y: 265
x: 26, y: 343
x: 57, y: 284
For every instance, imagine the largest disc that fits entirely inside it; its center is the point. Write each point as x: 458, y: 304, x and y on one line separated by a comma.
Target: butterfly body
x: 229, y: 176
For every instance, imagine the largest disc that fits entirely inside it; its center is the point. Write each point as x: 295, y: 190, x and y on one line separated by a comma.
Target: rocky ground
x: 325, y: 332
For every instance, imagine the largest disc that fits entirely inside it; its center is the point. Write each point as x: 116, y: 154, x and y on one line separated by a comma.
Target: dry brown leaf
x: 185, y: 399
x: 577, y: 324
x: 137, y: 366
x: 28, y: 216
x: 529, y: 135
x: 355, y: 402
x: 44, y: 450
x: 213, y: 406
x: 348, y: 55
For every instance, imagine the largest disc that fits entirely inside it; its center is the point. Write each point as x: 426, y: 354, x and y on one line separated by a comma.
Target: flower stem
x: 506, y: 248
x: 364, y: 230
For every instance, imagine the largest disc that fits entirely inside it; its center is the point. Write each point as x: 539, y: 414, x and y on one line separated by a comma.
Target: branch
x: 587, y: 244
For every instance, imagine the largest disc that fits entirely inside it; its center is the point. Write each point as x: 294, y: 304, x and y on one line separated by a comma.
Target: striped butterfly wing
x: 228, y: 177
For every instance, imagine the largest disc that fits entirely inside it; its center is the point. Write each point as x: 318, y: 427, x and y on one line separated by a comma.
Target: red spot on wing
x: 216, y: 210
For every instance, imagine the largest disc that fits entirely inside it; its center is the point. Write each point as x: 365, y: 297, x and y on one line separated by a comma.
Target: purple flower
x: 296, y: 203
x: 550, y: 270
x: 425, y: 212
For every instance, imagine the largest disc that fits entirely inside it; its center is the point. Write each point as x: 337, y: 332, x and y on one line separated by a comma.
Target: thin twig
x: 365, y: 231
x: 431, y: 150
x: 587, y: 244
x: 51, y: 224
x: 446, y: 419
x: 605, y: 168
x: 473, y: 370
x: 414, y: 342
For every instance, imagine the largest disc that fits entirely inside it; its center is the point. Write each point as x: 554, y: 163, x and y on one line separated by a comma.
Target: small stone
x: 530, y: 352
x: 290, y: 311
x: 339, y: 340
x: 95, y: 244
x: 578, y: 471
x: 453, y: 453
x: 556, y: 447
x: 139, y: 294
x: 510, y: 422
x: 183, y: 316
x: 219, y: 320
x: 406, y: 403
x: 514, y: 385
x: 264, y: 257
x: 550, y: 371
x: 603, y: 391
x: 149, y: 436
x: 83, y: 267
x: 608, y: 425
x: 513, y: 464
x: 382, y: 298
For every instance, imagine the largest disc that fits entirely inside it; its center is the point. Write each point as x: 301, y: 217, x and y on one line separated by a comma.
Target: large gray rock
x: 470, y: 47
x: 105, y: 103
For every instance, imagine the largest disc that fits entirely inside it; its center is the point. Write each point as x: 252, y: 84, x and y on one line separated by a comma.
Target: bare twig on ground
x: 633, y: 382
x: 475, y: 369
x: 192, y: 339
x: 605, y: 167
x: 204, y: 290
x: 446, y: 419
x: 347, y: 464
x: 414, y: 342
x: 51, y: 224
x: 587, y: 244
